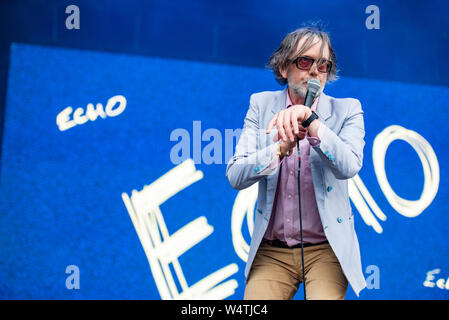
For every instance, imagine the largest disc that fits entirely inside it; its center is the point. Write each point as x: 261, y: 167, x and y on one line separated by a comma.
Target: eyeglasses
x: 305, y: 63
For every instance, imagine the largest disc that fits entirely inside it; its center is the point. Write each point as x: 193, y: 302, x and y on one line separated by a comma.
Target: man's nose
x: 314, y: 70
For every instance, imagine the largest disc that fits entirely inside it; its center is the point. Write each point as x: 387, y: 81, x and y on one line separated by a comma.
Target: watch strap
x: 312, y: 117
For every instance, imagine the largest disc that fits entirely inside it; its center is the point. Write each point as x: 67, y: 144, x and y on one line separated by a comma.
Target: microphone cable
x: 300, y: 221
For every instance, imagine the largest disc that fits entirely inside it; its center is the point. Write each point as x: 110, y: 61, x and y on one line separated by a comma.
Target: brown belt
x: 282, y: 244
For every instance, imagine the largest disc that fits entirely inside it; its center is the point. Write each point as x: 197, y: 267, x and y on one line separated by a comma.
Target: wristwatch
x: 312, y: 117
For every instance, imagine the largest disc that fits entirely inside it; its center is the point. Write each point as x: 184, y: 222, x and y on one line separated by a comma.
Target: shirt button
x: 289, y: 196
x: 339, y: 220
x: 291, y: 172
x: 288, y: 220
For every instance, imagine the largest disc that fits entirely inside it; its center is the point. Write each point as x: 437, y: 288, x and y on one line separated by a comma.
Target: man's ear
x: 283, y: 72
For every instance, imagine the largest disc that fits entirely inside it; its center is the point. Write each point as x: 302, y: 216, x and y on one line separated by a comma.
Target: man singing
x: 331, y: 141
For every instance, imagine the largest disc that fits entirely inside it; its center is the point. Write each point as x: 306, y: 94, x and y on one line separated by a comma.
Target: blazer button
x: 329, y: 188
x: 339, y: 220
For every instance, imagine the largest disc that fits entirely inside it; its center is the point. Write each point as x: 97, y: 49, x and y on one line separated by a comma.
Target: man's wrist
x: 309, y: 118
x: 282, y: 152
x: 308, y: 114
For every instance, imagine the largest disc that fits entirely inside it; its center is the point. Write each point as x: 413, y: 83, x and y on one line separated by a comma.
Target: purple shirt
x: 284, y: 221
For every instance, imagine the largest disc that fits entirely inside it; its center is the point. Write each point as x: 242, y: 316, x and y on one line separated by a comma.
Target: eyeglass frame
x: 314, y: 61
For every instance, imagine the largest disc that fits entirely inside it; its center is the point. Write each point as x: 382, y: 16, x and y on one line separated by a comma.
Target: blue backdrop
x: 62, y: 203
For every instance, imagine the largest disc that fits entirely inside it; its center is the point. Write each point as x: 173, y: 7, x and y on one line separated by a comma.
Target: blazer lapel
x: 324, y: 107
x: 279, y: 103
x: 324, y: 112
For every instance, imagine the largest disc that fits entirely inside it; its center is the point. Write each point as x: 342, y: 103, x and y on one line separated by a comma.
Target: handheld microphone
x: 313, y: 88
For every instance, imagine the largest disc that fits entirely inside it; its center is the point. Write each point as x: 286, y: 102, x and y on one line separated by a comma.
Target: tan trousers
x: 276, y: 274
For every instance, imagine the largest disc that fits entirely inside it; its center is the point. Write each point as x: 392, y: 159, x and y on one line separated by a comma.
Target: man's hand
x: 288, y: 122
x: 287, y: 146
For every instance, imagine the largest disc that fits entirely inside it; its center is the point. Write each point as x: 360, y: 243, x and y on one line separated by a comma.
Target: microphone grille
x: 313, y: 85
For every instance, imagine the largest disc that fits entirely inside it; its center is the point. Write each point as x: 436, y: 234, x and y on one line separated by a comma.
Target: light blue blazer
x: 336, y: 159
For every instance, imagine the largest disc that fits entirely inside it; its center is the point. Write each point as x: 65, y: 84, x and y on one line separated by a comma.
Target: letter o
x: 429, y: 161
x: 111, y: 103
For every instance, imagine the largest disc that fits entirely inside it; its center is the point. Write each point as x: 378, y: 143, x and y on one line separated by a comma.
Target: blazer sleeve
x: 343, y: 153
x: 252, y: 156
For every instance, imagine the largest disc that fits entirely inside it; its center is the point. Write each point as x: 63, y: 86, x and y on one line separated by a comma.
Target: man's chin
x: 300, y: 92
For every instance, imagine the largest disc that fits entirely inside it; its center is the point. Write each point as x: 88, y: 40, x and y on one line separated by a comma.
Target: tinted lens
x: 304, y: 63
x: 325, y: 66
